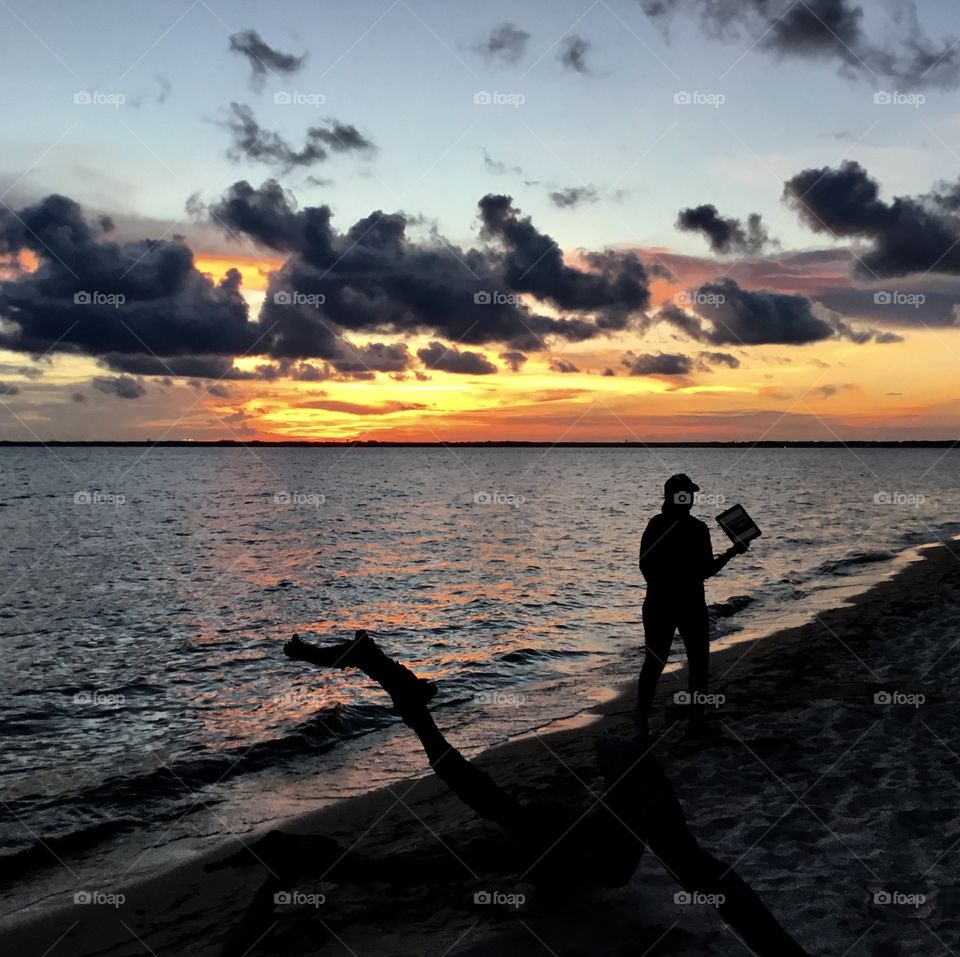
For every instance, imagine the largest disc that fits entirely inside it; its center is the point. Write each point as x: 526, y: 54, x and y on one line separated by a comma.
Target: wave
x: 731, y: 607
x: 850, y: 563
x: 171, y: 790
x: 528, y: 655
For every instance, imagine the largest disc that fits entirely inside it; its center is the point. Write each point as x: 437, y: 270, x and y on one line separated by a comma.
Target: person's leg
x: 658, y: 631
x: 694, y: 626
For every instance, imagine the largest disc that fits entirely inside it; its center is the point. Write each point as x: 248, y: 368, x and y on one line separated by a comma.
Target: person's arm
x: 651, y: 563
x: 714, y: 563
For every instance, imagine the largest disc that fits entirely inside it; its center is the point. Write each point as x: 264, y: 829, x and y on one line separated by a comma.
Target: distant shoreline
x: 376, y: 444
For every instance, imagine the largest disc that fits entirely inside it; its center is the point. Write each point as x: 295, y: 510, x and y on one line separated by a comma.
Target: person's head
x: 678, y: 492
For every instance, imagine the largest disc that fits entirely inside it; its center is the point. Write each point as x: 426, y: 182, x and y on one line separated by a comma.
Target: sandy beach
x: 829, y: 785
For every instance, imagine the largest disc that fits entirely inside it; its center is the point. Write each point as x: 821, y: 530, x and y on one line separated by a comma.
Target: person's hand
x: 739, y: 548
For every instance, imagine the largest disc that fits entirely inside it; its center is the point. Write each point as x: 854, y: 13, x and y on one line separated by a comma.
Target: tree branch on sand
x: 548, y: 844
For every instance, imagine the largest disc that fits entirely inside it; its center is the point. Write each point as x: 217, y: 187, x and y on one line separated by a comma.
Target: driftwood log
x: 546, y: 843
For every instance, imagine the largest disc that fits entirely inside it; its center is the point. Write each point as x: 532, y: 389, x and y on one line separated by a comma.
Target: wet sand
x: 830, y: 786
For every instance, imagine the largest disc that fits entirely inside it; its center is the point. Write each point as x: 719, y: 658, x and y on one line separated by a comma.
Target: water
x: 146, y: 594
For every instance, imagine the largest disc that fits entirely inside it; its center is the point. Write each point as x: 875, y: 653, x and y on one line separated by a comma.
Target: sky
x: 670, y: 220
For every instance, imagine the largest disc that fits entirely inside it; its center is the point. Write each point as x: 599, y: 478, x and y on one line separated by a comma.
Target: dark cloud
x: 106, y: 223
x: 573, y: 54
x: 830, y: 31
x: 123, y: 387
x: 663, y: 363
x: 615, y: 289
x: 725, y: 233
x: 506, y: 43
x: 450, y: 359
x: 92, y: 295
x: 573, y: 196
x: 709, y: 359
x: 78, y: 397
x: 220, y: 391
x: 143, y: 309
x: 194, y: 367
x: 908, y: 235
x: 724, y: 313
x: 514, y: 360
x: 562, y: 365
x: 373, y: 278
x: 262, y: 57
x: 252, y: 142
x: 740, y: 316
x: 7, y: 388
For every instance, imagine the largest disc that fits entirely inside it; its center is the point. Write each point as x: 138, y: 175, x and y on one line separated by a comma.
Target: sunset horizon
x: 302, y: 269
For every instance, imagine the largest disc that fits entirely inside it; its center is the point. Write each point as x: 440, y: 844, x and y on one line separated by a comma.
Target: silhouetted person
x: 676, y: 556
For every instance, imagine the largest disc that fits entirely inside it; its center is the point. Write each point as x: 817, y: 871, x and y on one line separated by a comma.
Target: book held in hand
x: 741, y: 529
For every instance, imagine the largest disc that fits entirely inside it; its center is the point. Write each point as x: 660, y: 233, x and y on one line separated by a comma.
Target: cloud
x: 615, y: 289
x: 92, y: 295
x: 514, y: 360
x: 573, y: 54
x: 561, y: 365
x: 220, y: 391
x: 506, y: 42
x: 908, y: 235
x: 357, y: 408
x: 374, y: 278
x: 830, y: 31
x: 573, y: 196
x: 78, y: 397
x: 450, y: 359
x: 165, y: 88
x: 252, y: 142
x: 662, y: 364
x: 725, y: 233
x: 738, y: 316
x: 262, y: 57
x: 706, y: 360
x: 495, y: 166
x: 123, y: 387
x: 7, y: 388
